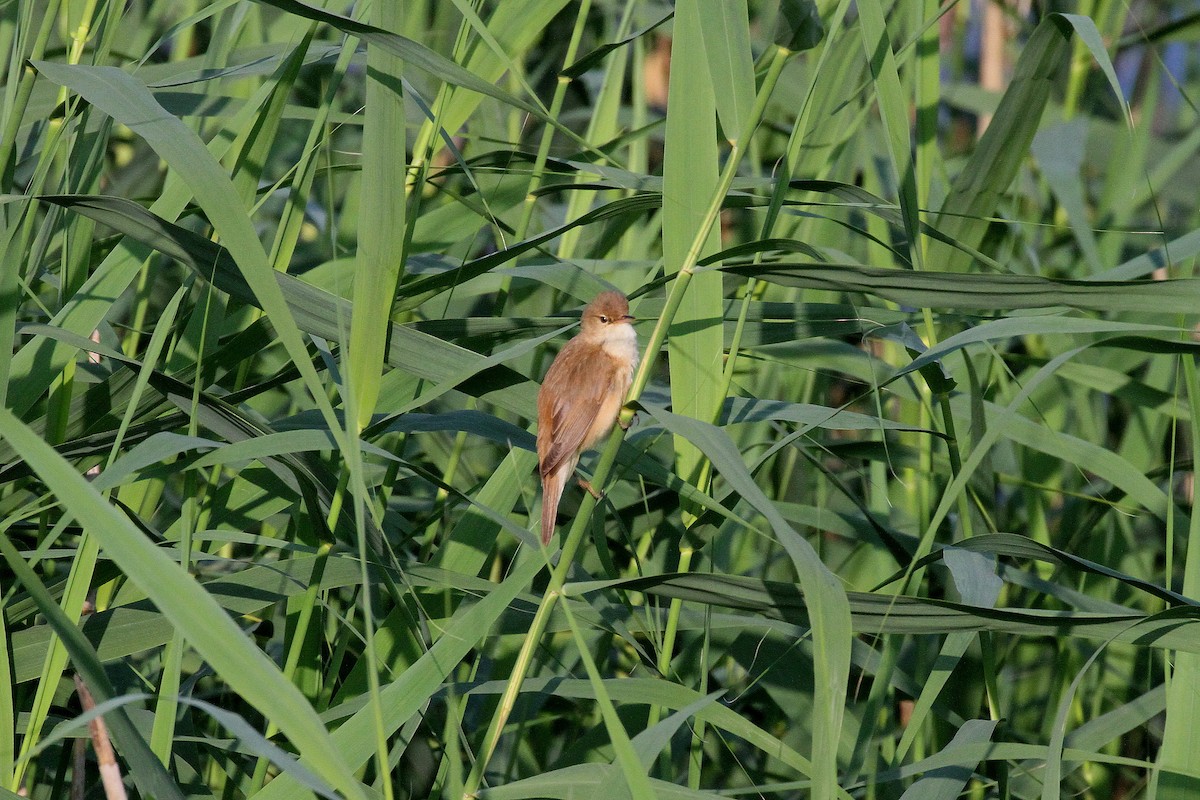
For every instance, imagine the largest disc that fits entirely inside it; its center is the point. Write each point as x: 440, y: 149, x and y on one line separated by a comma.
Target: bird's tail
x: 552, y: 492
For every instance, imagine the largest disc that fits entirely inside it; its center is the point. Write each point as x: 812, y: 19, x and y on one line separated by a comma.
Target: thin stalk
x: 608, y: 456
x: 8, y: 711
x: 166, y: 705
x: 15, y: 113
x: 79, y: 579
x: 299, y: 635
x: 21, y: 223
x: 696, y: 749
x: 635, y: 776
x: 539, y: 166
x: 426, y: 142
x: 543, y: 152
x: 1191, y: 568
x: 1080, y: 65
x: 57, y: 417
x: 8, y: 44
x: 878, y: 694
x: 291, y: 218
x: 166, y: 708
x: 705, y: 474
x: 520, y: 668
x: 449, y: 780
x: 369, y: 650
x: 667, y: 652
x: 80, y: 35
x: 448, y: 475
x: 688, y: 266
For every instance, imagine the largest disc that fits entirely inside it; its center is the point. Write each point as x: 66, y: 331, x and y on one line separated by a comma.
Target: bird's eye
x: 604, y: 319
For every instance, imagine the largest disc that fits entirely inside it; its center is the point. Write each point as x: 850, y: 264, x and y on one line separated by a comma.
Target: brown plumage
x: 582, y: 394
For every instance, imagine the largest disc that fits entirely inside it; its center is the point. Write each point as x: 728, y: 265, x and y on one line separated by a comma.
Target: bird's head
x: 606, y: 314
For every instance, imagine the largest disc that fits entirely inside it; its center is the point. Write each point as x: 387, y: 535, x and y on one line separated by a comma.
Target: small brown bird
x: 581, y: 396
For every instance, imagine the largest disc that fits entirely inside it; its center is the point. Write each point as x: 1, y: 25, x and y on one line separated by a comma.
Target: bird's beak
x: 629, y: 318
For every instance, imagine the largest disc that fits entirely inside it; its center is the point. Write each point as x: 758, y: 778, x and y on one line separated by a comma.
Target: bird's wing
x: 572, y: 394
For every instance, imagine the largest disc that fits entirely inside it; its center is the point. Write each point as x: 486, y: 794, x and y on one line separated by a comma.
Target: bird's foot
x: 587, y: 487
x: 627, y: 425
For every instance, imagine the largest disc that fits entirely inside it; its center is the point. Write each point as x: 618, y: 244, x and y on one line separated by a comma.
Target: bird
x: 581, y: 396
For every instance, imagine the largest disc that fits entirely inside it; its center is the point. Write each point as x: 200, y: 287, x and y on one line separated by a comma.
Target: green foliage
x: 906, y: 510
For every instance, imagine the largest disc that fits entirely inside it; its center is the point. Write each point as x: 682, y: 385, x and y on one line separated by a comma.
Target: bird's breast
x: 622, y: 347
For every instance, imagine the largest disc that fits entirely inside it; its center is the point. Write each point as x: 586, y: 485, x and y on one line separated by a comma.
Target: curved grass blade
x: 593, y: 58
x: 1085, y: 29
x: 193, y: 611
x: 873, y: 614
x: 977, y: 190
x: 300, y: 472
x: 379, y: 261
x: 250, y: 739
x: 583, y: 780
x: 725, y: 36
x: 831, y: 618
x: 417, y: 55
x: 652, y: 741
x: 1177, y: 755
x: 1055, y: 325
x: 1175, y: 251
x: 948, y: 782
x: 633, y: 768
x: 315, y: 311
x: 354, y: 740
x: 127, y: 629
x: 655, y: 691
x: 117, y: 94
x: 973, y: 292
x: 1014, y: 546
x: 147, y: 772
x: 893, y: 111
x: 695, y: 343
x: 749, y: 409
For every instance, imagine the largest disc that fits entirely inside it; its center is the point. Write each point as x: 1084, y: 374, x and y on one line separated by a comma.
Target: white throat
x: 620, y: 342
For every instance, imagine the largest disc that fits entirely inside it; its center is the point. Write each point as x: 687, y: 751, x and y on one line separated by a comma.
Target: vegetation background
x: 907, y: 508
